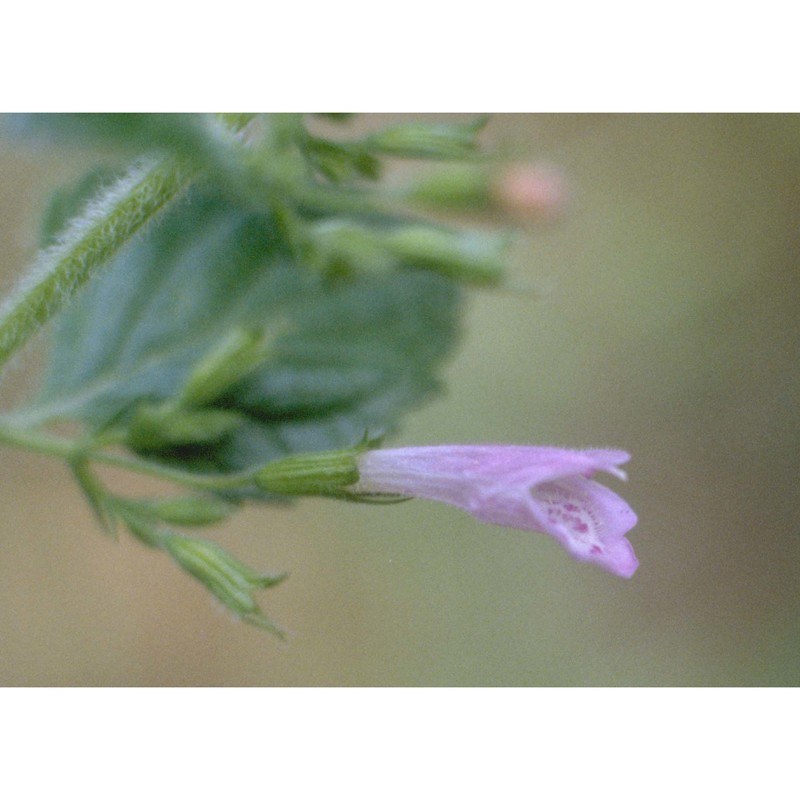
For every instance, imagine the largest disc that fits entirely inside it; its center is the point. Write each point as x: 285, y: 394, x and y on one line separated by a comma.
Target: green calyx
x: 475, y: 259
x: 227, y: 578
x: 425, y: 140
x: 343, y: 246
x: 156, y: 426
x: 323, y: 474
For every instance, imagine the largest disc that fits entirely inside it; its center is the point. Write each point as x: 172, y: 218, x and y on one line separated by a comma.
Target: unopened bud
x: 191, y: 511
x: 460, y: 186
x: 435, y: 140
x: 470, y: 258
x: 235, y: 356
x: 156, y: 427
x: 342, y: 247
x: 534, y: 192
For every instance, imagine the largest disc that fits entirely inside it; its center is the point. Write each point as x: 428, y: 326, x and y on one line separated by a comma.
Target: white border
x: 446, y: 56
x: 399, y: 743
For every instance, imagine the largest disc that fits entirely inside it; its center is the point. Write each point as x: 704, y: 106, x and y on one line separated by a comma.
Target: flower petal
x: 589, y: 520
x: 546, y: 489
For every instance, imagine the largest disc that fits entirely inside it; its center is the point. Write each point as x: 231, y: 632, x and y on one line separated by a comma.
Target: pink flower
x: 534, y: 488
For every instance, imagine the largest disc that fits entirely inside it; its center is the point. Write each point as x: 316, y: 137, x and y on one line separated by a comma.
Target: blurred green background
x: 663, y: 320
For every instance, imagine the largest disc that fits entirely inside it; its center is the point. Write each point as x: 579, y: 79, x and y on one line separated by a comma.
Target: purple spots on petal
x: 565, y: 510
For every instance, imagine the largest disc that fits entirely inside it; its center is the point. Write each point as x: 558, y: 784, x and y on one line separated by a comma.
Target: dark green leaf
x: 177, y: 133
x: 345, y: 357
x: 205, y: 142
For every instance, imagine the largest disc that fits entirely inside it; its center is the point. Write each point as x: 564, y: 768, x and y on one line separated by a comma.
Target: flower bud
x: 342, y: 246
x: 191, y: 511
x: 421, y: 140
x: 474, y: 259
x: 235, y: 356
x: 532, y: 192
x: 156, y: 427
x: 460, y: 186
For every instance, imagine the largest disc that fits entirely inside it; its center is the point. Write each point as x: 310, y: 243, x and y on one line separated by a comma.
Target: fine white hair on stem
x: 87, y: 242
x: 94, y: 213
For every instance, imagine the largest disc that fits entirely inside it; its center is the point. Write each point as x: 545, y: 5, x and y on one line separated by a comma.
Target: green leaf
x: 176, y: 133
x: 198, y: 142
x: 343, y: 357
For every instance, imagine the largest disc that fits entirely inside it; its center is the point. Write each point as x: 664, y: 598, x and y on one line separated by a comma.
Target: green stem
x: 86, y: 246
x: 67, y: 449
x: 194, y: 481
x: 39, y: 443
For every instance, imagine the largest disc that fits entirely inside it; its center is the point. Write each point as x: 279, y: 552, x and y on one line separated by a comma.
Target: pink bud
x: 533, y: 192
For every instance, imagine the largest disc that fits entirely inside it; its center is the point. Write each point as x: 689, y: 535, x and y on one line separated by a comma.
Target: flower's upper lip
x: 527, y: 464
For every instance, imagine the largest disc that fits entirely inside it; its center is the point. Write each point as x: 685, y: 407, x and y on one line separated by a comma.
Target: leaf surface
x: 345, y: 356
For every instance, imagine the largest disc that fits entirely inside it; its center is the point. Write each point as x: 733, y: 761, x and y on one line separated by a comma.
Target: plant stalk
x: 89, y: 243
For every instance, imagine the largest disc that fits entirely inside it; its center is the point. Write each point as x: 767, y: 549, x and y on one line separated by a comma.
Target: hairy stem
x: 89, y: 242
